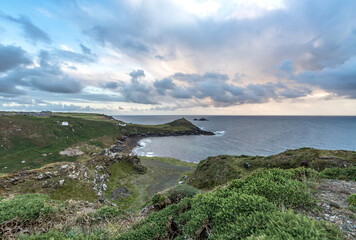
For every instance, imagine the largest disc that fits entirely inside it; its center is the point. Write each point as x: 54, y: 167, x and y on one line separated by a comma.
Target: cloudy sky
x: 250, y: 57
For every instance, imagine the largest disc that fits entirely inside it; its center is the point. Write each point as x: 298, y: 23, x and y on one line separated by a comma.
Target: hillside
x: 28, y: 142
x: 105, y: 193
x: 219, y: 170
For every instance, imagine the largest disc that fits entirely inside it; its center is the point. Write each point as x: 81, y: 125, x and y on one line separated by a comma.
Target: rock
x: 40, y: 176
x: 61, y: 182
x: 117, y: 148
x: 247, y: 165
x: 101, y: 199
x: 44, y: 154
x: 23, y: 161
x: 71, y: 152
x: 64, y: 167
x: 99, y: 168
x: 48, y: 174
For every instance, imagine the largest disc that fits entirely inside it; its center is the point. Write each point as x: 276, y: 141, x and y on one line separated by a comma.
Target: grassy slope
x: 25, y: 138
x: 161, y: 174
x: 218, y: 170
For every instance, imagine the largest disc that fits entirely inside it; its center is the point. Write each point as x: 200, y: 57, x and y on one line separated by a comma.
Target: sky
x: 143, y: 57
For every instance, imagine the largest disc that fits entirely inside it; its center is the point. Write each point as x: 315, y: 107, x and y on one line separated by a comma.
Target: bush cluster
x: 25, y: 207
x: 348, y: 173
x: 246, y: 209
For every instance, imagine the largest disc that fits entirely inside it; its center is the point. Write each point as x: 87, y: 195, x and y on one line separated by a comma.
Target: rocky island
x: 80, y: 181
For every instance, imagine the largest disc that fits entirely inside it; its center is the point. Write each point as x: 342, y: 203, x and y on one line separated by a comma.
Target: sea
x: 248, y: 135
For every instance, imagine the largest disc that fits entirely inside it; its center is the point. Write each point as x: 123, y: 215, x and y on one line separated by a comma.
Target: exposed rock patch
x: 71, y: 152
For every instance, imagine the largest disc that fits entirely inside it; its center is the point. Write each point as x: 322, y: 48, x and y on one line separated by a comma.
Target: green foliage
x: 352, y: 199
x: 281, y: 187
x: 177, y: 193
x: 348, y: 173
x: 157, y: 199
x: 246, y: 209
x: 107, y: 213
x: 25, y: 207
x: 218, y: 170
x: 96, y: 234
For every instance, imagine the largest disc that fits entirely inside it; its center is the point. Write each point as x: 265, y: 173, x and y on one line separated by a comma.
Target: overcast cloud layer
x: 192, y: 57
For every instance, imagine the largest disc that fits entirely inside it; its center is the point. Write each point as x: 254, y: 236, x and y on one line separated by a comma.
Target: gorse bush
x: 177, y: 193
x: 348, y: 173
x: 246, y: 209
x: 278, y: 186
x: 107, y: 212
x: 25, y: 207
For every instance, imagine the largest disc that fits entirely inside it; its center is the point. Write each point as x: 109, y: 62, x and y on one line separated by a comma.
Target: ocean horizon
x: 247, y: 135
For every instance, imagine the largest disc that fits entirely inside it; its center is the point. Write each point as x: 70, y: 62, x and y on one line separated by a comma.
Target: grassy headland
x: 28, y: 142
x: 104, y: 193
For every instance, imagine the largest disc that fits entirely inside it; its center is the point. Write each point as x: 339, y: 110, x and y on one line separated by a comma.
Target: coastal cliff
x: 67, y: 181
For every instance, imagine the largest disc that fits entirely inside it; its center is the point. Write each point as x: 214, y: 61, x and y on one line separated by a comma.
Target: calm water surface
x: 249, y: 135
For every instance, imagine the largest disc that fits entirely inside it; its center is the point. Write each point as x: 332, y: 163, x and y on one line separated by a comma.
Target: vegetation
x: 135, y: 189
x: 218, y: 170
x: 25, y: 207
x: 224, y: 197
x: 29, y: 142
x: 348, y: 173
x: 240, y: 211
x: 352, y: 199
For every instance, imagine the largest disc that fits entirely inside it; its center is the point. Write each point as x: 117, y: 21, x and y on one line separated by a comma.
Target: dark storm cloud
x: 30, y: 30
x: 339, y: 79
x: 11, y: 56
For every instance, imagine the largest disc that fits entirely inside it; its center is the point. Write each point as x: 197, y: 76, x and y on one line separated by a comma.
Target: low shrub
x: 25, y: 207
x: 177, y: 193
x: 107, y: 212
x: 348, y: 173
x: 352, y: 199
x: 282, y: 187
x: 246, y: 209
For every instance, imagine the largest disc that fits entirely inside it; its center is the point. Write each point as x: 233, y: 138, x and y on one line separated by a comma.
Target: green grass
x: 38, y: 140
x: 28, y: 139
x: 162, y: 173
x: 352, y: 199
x: 241, y: 211
x: 348, y: 173
x: 25, y: 207
x: 218, y: 170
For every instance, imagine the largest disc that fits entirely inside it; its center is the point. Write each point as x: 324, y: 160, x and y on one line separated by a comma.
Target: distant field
x: 28, y: 142
x: 38, y: 140
x: 86, y: 116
